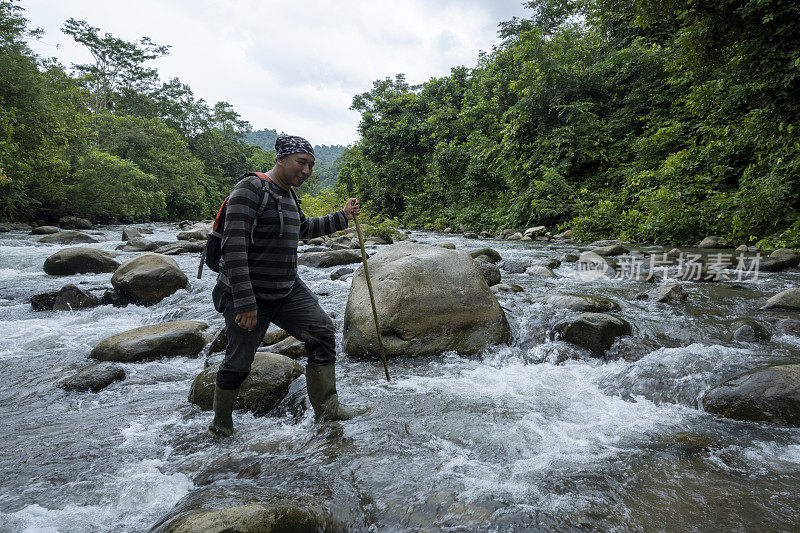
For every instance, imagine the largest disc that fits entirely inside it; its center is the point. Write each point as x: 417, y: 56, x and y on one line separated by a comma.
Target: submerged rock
x: 578, y: 302
x: 94, y: 378
x: 168, y: 339
x: 516, y: 266
x: 749, y: 330
x: 594, y: 331
x: 68, y: 237
x: 80, y: 260
x: 44, y: 230
x: 788, y: 299
x: 329, y: 259
x: 267, y: 384
x: 253, y: 518
x: 770, y: 394
x: 149, y: 278
x: 670, y: 293
x: 71, y: 297
x: 429, y: 301
x: 129, y: 234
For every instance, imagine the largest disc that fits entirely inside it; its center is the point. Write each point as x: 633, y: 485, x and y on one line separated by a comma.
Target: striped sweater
x: 266, y: 268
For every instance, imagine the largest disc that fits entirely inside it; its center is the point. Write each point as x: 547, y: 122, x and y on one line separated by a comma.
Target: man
x: 258, y: 283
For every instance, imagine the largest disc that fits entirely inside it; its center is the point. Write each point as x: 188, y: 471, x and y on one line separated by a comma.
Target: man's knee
x: 230, y: 379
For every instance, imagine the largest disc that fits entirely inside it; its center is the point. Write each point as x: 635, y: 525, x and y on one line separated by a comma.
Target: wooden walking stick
x: 371, y: 296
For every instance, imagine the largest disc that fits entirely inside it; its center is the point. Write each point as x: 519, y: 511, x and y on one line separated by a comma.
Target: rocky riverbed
x: 621, y: 400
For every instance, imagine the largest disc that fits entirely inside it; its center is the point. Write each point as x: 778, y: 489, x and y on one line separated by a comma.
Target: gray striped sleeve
x: 241, y: 212
x: 319, y: 226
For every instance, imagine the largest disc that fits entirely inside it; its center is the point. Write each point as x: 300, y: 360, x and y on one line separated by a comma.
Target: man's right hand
x: 247, y: 320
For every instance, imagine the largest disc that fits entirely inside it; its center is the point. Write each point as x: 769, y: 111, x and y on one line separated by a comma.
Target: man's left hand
x: 352, y: 208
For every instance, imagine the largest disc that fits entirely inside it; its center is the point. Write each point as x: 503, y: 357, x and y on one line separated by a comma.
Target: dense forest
x: 651, y: 121
x: 109, y: 140
x: 647, y: 120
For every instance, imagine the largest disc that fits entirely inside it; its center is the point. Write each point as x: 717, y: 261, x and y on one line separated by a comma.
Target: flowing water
x: 530, y: 436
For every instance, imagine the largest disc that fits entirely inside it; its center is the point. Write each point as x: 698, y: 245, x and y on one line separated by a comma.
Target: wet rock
x: 337, y: 246
x: 168, y: 339
x: 447, y: 245
x: 540, y: 271
x: 485, y: 234
x: 470, y: 235
x: 149, y: 278
x: 610, y: 250
x: 489, y: 271
x: 788, y: 254
x: 493, y: 256
x: 199, y: 234
x: 570, y: 258
x: 44, y: 230
x: 578, y: 302
x: 670, y: 293
x: 68, y: 237
x: 71, y: 297
x: 642, y: 277
x: 253, y: 518
x: 129, y: 233
x: 790, y: 326
x: 536, y: 230
x: 595, y: 332
x: 429, y: 301
x: 506, y: 287
x: 181, y: 247
x: 290, y: 347
x: 551, y: 263
x: 448, y: 230
x: 74, y: 223
x: 788, y: 299
x: 315, y: 249
x: 145, y: 231
x: 674, y: 253
x: 44, y: 301
x: 515, y: 237
x: 267, y: 384
x: 710, y: 242
x: 5, y: 228
x: 776, y: 264
x: 378, y: 240
x: 273, y: 336
x: 316, y: 241
x: 139, y: 244
x: 742, y: 248
x: 770, y: 394
x: 329, y: 258
x: 749, y: 330
x: 516, y: 266
x: 563, y: 235
x: 80, y: 260
x: 113, y: 297
x: 338, y: 273
x: 398, y: 238
x: 94, y: 378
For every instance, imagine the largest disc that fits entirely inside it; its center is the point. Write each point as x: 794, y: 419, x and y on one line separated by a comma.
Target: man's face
x: 297, y: 168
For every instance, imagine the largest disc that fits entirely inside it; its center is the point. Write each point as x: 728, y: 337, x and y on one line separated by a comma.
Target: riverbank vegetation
x: 652, y: 121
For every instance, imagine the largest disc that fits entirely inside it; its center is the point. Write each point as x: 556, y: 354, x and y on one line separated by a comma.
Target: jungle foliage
x: 660, y: 121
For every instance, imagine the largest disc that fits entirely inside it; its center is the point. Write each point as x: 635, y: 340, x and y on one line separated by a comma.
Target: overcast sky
x: 290, y: 66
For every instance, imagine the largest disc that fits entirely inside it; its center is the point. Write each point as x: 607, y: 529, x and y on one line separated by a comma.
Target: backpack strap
x: 267, y: 192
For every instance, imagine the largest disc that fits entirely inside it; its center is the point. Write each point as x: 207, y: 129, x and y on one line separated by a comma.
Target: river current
x: 535, y: 435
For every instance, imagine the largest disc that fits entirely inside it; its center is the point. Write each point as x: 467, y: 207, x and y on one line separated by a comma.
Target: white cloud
x: 292, y: 66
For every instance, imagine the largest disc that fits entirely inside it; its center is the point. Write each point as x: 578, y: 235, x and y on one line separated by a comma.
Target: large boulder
x: 770, y: 394
x: 430, y: 300
x: 788, y: 299
x: 74, y: 223
x: 168, y: 339
x: 252, y: 518
x: 329, y: 259
x: 44, y: 230
x: 68, y: 237
x: 270, y: 376
x: 181, y: 247
x: 594, y: 331
x: 577, y: 302
x: 94, y: 377
x: 149, y: 278
x: 80, y: 260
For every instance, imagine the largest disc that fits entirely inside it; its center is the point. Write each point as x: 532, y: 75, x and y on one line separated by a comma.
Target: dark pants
x: 298, y: 313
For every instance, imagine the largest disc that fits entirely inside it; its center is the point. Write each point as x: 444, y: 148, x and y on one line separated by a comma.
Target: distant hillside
x: 266, y: 140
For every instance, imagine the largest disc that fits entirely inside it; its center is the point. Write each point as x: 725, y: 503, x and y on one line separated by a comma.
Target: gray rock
x: 316, y: 241
x: 270, y: 376
x: 578, y: 302
x: 290, y: 347
x: 254, y: 518
x: 610, y: 250
x: 149, y: 278
x: 80, y: 260
x: 181, y: 247
x: 329, y: 258
x: 44, y: 301
x: 338, y: 273
x: 515, y: 237
x: 273, y: 337
x: 5, y: 228
x: 540, y: 271
x: 536, y: 230
x: 786, y: 253
x: 563, y: 235
x: 200, y: 234
x: 68, y: 237
x: 129, y: 233
x: 493, y: 256
x: 74, y: 223
x: 570, y: 258
x: 94, y: 378
x: 710, y: 242
x: 670, y: 293
x: 788, y: 299
x: 770, y: 394
x: 506, y: 287
x: 742, y: 248
x: 470, y: 235
x: 595, y: 332
x: 551, y: 263
x: 790, y: 326
x: 168, y: 339
x: 776, y: 264
x: 516, y: 266
x: 139, y: 244
x: 429, y: 301
x: 71, y: 297
x: 113, y: 297
x: 749, y: 330
x: 44, y: 230
x: 489, y: 271
x: 447, y: 245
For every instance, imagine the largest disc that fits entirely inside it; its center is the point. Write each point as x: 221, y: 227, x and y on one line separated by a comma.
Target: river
x: 530, y: 436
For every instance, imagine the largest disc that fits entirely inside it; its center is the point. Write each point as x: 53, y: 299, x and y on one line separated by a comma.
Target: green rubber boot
x: 321, y: 383
x: 222, y: 425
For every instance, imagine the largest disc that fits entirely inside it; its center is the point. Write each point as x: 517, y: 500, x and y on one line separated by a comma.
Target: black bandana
x: 291, y: 144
